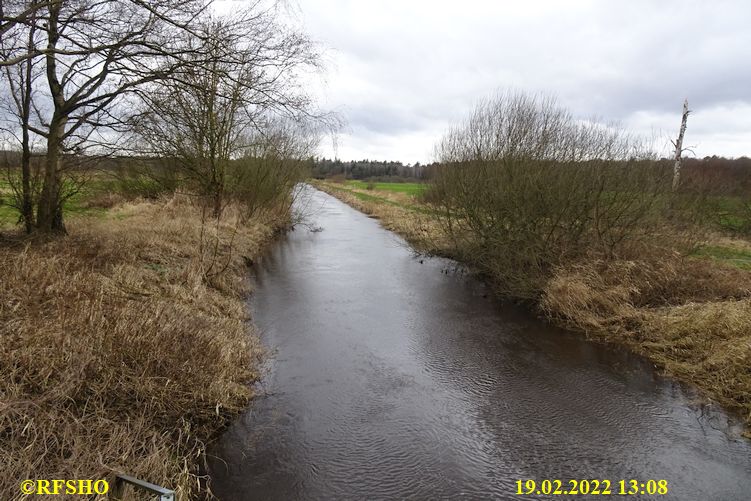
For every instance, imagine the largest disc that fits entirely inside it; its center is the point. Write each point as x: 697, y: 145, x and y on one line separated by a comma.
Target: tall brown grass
x: 126, y: 345
x: 692, y: 317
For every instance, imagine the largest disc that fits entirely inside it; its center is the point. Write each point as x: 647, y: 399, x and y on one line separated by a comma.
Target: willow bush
x: 524, y: 186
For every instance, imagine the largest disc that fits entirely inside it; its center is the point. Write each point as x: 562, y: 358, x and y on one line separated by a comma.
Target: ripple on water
x: 396, y: 380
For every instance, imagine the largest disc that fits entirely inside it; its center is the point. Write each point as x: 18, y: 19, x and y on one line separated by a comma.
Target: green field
x: 739, y: 258
x: 408, y: 188
x: 372, y: 195
x: 77, y: 204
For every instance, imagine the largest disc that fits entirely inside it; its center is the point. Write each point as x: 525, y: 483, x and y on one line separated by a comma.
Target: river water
x: 397, y: 377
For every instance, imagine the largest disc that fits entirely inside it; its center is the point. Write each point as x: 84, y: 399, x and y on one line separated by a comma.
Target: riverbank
x: 392, y: 379
x: 687, y: 314
x: 126, y: 345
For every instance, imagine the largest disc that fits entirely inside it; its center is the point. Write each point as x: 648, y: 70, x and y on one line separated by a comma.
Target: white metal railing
x: 122, y: 480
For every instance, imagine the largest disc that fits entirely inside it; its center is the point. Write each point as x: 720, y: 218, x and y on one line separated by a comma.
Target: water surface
x: 395, y: 377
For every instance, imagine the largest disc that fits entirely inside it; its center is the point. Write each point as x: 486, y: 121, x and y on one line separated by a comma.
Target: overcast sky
x: 400, y: 71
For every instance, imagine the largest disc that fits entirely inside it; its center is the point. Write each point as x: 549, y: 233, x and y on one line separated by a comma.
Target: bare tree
x: 244, y: 76
x: 95, y: 53
x: 275, y: 161
x: 678, y: 143
x: 20, y: 79
x: 525, y: 186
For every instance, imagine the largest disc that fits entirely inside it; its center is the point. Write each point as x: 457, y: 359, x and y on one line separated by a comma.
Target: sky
x: 400, y: 73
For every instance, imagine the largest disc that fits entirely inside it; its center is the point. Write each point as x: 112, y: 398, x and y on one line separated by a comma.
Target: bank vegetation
x: 153, y: 150
x: 581, y: 221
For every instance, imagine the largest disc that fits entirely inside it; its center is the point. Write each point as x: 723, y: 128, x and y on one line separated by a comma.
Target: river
x: 398, y: 377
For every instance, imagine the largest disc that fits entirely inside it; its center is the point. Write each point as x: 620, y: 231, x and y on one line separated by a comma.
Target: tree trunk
x: 49, y: 211
x: 25, y: 87
x: 679, y: 147
x: 217, y: 196
x: 27, y: 210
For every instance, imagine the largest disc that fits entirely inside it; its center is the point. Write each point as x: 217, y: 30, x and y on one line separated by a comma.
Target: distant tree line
x: 710, y: 175
x: 370, y: 169
x: 717, y: 175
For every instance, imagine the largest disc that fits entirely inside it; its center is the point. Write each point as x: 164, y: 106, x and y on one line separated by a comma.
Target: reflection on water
x: 395, y: 380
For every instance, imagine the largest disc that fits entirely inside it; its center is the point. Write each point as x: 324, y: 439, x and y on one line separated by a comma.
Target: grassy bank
x: 398, y: 211
x: 126, y: 345
x: 690, y: 314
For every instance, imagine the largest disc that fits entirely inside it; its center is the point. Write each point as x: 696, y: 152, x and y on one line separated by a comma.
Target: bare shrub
x: 241, y: 97
x: 273, y: 164
x: 524, y: 186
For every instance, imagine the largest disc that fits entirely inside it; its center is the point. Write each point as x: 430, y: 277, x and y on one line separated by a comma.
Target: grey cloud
x: 404, y: 70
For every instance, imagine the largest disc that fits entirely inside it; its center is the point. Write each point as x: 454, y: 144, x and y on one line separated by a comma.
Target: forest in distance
x: 152, y: 152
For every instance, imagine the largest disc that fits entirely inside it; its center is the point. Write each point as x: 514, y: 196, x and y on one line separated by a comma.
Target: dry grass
x: 708, y: 344
x: 124, y: 346
x: 605, y: 296
x: 690, y: 316
x: 421, y: 231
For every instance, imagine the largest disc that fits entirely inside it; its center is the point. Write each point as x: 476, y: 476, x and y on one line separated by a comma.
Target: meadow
x: 413, y: 189
x: 86, y: 201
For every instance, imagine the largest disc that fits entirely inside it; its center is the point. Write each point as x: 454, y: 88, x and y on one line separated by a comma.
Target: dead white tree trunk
x: 679, y: 147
